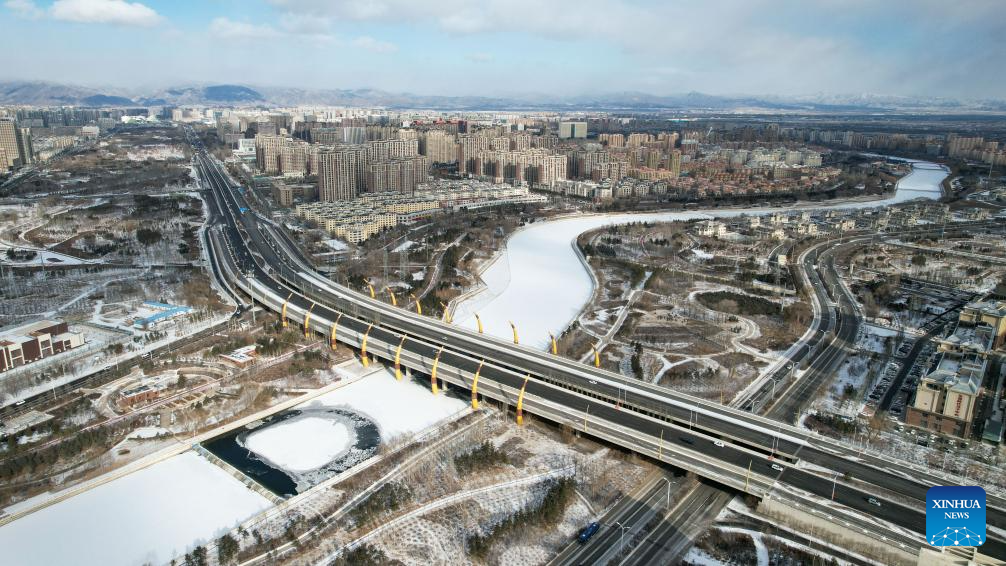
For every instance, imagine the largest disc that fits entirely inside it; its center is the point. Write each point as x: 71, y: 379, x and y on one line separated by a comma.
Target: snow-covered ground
x: 541, y: 285
x: 276, y: 443
x: 335, y: 245
x: 45, y: 257
x: 156, y: 152
x: 396, y: 407
x: 150, y: 516
x: 699, y: 557
x: 404, y: 246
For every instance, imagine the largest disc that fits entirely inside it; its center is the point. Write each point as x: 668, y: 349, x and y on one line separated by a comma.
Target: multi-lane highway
x: 716, y: 441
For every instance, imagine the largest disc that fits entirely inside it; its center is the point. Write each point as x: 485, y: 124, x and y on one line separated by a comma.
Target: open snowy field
x: 328, y: 439
x: 540, y: 284
x: 150, y: 516
x: 396, y: 407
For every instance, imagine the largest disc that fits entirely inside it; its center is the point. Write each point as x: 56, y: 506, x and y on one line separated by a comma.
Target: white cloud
x: 226, y: 28
x: 479, y: 57
x: 310, y: 27
x: 104, y: 12
x: 375, y: 45
x: 24, y: 9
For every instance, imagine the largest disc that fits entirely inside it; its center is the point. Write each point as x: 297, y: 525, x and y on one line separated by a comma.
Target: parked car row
x: 880, y: 389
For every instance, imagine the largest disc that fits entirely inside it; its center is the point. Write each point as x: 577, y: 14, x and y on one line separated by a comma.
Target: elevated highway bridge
x: 734, y: 448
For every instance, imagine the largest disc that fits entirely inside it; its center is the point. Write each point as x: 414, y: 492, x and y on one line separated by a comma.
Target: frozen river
x: 539, y: 282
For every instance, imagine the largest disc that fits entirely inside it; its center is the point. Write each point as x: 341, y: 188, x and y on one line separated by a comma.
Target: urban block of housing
x: 369, y: 169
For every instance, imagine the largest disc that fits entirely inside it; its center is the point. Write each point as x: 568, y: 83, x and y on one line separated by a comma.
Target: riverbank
x: 545, y: 286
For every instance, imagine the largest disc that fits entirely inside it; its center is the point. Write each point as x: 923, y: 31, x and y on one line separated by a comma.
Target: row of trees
x: 548, y: 512
x: 483, y: 456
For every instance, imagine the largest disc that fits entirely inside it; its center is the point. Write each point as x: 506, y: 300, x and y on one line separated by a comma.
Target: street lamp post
x: 621, y: 538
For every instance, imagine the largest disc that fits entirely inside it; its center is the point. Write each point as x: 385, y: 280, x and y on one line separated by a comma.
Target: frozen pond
x: 294, y: 450
x: 150, y: 516
x: 540, y: 284
x: 329, y: 439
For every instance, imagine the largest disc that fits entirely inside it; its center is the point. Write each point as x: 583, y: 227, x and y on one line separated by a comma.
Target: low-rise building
x: 991, y: 313
x: 137, y: 395
x: 946, y: 398
x: 35, y: 341
x: 712, y: 229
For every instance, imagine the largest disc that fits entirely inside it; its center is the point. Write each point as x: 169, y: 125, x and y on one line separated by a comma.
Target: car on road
x: 719, y: 443
x: 778, y: 468
x: 686, y: 439
x: 588, y: 532
x: 873, y: 501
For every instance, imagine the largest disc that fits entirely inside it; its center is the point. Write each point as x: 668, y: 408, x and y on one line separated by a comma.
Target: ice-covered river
x: 539, y: 282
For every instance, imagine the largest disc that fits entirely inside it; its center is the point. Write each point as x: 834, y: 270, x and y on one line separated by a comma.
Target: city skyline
x: 920, y: 49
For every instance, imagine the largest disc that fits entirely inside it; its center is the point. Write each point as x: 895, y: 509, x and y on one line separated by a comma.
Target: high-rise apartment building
x: 532, y: 166
x: 572, y: 130
x: 338, y: 172
x: 25, y: 149
x: 611, y: 170
x: 268, y: 149
x: 520, y: 142
x: 612, y: 140
x: 294, y: 159
x: 674, y: 163
x: 9, y: 134
x: 383, y: 150
x: 401, y: 175
x: 468, y: 146
x: 637, y: 139
x: 439, y: 146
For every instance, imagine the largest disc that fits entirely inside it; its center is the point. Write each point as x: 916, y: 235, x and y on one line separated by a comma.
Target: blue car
x: 588, y: 532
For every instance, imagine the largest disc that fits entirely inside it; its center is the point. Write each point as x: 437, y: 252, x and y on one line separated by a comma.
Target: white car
x: 719, y: 443
x: 778, y: 468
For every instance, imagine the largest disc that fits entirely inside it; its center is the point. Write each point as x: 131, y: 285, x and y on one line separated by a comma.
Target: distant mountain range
x: 39, y: 93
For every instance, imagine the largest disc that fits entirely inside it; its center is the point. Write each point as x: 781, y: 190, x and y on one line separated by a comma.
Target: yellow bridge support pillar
x: 597, y: 357
x: 475, y: 387
x: 514, y: 328
x: 394, y: 301
x: 398, y: 360
x: 447, y: 313
x: 335, y: 327
x: 283, y: 315
x: 520, y: 402
x: 433, y: 372
x: 371, y: 287
x: 307, y: 322
x: 555, y: 347
x: 419, y: 307
x: 363, y: 347
x: 479, y: 322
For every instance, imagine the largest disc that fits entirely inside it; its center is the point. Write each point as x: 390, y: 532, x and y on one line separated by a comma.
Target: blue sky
x: 496, y: 47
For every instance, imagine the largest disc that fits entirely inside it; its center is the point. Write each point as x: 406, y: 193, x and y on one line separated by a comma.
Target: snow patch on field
x: 396, y: 407
x: 335, y: 245
x: 328, y: 439
x: 699, y: 557
x: 149, y: 432
x: 151, y: 516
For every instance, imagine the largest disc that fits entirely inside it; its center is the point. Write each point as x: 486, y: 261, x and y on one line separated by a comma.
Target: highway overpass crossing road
x: 714, y: 441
